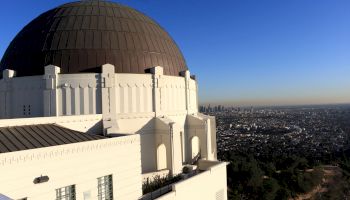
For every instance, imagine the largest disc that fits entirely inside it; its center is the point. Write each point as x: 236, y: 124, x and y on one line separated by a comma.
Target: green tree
x: 269, y: 190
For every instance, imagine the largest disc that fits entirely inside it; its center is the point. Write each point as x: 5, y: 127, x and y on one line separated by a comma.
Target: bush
x: 278, y: 178
x: 159, y: 182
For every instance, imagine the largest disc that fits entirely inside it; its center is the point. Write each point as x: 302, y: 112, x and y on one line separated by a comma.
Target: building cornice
x: 54, y: 152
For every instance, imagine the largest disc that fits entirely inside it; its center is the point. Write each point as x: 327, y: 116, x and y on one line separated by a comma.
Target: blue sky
x: 243, y: 52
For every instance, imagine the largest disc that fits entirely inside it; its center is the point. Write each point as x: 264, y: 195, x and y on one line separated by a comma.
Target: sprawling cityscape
x: 291, y: 139
x: 316, y: 131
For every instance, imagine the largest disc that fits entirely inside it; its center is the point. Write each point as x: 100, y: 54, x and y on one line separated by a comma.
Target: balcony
x: 208, y: 178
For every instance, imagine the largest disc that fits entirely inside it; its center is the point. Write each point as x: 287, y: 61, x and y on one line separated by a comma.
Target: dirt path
x: 330, y: 172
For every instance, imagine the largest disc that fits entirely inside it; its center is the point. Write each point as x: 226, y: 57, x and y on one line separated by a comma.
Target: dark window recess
x: 26, y: 110
x: 105, y: 188
x: 66, y: 193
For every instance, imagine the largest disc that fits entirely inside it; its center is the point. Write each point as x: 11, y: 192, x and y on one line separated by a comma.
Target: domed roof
x: 81, y: 36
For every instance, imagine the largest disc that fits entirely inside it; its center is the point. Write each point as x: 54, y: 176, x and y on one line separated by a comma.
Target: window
x: 105, y: 188
x: 66, y: 193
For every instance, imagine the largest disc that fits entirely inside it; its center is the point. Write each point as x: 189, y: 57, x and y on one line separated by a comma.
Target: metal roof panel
x: 17, y: 138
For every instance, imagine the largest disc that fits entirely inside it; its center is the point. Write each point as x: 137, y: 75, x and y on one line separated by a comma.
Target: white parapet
x: 8, y: 73
x: 50, y: 102
x: 157, y: 70
x: 207, y: 185
x: 124, y: 95
x: 52, y: 70
x: 186, y: 74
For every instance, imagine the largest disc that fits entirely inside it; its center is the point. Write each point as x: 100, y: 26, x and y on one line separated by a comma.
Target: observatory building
x: 97, y: 102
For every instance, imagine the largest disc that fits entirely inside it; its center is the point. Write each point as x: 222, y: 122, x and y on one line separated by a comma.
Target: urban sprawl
x: 317, y: 132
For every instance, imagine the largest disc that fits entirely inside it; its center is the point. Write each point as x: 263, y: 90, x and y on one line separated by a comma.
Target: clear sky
x: 243, y: 52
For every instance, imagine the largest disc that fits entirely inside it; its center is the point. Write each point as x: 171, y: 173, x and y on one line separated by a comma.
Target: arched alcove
x: 161, y: 157
x: 195, y: 149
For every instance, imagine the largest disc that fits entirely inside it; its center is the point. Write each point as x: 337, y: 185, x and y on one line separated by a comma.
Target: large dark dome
x: 81, y: 36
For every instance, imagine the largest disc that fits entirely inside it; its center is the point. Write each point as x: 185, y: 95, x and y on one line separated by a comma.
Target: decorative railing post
x: 50, y: 90
x: 108, y: 98
x: 157, y: 90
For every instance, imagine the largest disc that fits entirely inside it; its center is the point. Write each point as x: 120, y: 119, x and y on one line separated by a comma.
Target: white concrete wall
x: 21, y: 97
x: 80, y: 164
x: 164, y: 129
x: 148, y: 152
x: 193, y: 102
x: 156, y: 131
x: 208, y: 185
x: 204, y: 128
x: 80, y: 94
x: 173, y: 96
x: 134, y: 93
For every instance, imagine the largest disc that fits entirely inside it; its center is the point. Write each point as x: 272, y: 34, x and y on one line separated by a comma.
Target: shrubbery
x: 279, y: 178
x: 159, y: 182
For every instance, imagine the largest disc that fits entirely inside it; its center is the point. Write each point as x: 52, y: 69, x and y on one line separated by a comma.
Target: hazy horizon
x: 276, y: 102
x: 243, y: 52
x: 247, y: 104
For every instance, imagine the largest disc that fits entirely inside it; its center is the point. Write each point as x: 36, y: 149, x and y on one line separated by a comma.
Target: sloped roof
x: 17, y: 138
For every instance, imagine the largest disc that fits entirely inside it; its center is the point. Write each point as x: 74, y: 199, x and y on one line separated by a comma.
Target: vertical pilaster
x: 2, y: 98
x: 171, y: 126
x: 50, y: 90
x: 86, y: 100
x: 108, y: 98
x: 186, y: 74
x: 5, y: 91
x: 68, y: 100
x: 157, y: 90
x: 76, y: 99
x: 92, y: 102
x: 208, y: 138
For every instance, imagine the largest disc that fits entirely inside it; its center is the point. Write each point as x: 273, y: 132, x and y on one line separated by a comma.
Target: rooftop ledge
x: 184, y: 180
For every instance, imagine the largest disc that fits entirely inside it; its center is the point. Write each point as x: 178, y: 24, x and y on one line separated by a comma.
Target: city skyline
x: 245, y: 52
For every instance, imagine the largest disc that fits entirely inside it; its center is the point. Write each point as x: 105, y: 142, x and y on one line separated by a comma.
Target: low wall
x: 83, y: 94
x: 208, y: 185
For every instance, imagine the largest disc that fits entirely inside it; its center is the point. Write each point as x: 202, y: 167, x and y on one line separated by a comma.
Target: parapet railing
x: 157, y: 193
x: 168, y: 188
